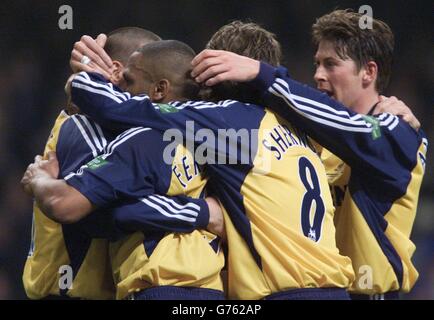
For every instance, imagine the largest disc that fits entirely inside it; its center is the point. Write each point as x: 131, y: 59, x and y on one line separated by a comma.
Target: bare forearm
x: 59, y: 201
x: 216, y: 223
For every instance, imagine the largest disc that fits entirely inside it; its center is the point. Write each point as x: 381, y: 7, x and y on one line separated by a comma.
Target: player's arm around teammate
x: 212, y: 67
x: 64, y: 204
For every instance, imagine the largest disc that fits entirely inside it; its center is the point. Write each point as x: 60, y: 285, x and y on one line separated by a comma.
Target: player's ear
x: 370, y: 73
x: 116, y: 76
x: 160, y: 90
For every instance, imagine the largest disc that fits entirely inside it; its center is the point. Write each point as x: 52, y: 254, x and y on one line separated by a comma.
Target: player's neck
x: 366, y: 101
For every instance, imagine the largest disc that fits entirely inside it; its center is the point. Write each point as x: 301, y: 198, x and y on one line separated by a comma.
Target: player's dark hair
x: 248, y: 39
x: 122, y: 42
x: 171, y: 59
x: 341, y: 28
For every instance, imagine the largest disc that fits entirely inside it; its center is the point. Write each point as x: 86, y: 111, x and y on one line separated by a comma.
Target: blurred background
x: 34, y: 66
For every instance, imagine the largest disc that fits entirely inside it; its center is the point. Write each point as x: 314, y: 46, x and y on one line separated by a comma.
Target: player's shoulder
x: 61, y: 119
x: 80, y: 130
x: 138, y: 137
x: 139, y: 143
x: 53, y: 138
x: 79, y: 117
x: 83, y: 123
x: 72, y: 120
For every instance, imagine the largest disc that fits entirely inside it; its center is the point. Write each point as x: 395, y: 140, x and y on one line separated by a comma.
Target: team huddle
x: 171, y: 175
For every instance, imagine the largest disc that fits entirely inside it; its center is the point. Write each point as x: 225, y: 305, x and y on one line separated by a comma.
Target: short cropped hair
x: 171, y: 59
x: 122, y: 42
x: 341, y: 28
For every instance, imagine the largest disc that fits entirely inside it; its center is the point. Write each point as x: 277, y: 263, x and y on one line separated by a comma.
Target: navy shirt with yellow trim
x: 272, y: 185
x: 375, y: 186
x: 54, y: 245
x: 81, y: 246
x: 140, y: 164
